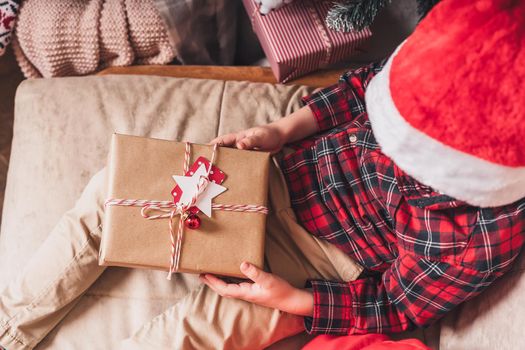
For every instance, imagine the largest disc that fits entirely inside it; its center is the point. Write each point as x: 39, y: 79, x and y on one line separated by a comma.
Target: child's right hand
x: 267, y: 138
x: 272, y: 137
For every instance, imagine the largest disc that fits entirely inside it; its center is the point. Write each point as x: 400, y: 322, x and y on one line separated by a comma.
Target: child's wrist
x: 284, y: 130
x: 297, y: 125
x: 302, y: 302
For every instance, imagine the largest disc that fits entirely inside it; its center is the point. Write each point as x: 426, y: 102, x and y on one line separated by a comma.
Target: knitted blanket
x: 76, y: 37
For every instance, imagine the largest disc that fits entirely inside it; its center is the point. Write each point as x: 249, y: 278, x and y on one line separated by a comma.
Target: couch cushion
x: 61, y: 138
x: 492, y: 320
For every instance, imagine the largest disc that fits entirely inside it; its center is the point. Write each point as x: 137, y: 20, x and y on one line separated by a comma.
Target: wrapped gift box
x: 296, y: 40
x: 141, y: 168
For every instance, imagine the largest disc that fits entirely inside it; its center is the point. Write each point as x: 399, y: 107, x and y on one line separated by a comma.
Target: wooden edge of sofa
x: 317, y: 79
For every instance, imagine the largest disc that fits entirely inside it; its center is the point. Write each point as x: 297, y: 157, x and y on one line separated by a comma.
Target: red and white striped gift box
x: 296, y: 39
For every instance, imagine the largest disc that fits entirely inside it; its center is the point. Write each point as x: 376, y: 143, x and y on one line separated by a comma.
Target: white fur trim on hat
x: 445, y: 169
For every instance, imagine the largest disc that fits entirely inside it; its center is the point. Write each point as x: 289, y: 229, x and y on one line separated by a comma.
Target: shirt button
x: 353, y: 138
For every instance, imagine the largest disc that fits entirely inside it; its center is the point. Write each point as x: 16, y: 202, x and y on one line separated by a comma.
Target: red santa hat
x: 449, y: 106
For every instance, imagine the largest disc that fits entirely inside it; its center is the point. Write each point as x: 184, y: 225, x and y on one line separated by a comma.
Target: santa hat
x: 449, y: 106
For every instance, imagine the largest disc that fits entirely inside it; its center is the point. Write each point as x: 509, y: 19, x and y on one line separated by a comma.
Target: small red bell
x: 192, y: 222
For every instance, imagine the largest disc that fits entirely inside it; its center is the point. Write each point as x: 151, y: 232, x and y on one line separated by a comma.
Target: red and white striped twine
x: 170, y: 209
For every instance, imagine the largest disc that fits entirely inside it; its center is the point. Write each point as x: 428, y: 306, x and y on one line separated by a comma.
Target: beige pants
x: 66, y: 265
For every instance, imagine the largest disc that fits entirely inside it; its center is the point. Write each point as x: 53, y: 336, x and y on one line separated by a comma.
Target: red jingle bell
x: 192, y: 222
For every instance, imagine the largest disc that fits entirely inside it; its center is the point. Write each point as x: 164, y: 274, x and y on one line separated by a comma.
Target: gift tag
x: 216, y: 176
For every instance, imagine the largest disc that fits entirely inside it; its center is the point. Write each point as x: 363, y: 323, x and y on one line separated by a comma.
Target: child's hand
x: 268, y: 290
x: 264, y: 138
x: 272, y: 137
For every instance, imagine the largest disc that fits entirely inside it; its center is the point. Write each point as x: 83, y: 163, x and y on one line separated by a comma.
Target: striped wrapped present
x: 296, y: 39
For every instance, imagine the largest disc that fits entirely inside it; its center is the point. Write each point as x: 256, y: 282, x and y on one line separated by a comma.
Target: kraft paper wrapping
x: 142, y: 168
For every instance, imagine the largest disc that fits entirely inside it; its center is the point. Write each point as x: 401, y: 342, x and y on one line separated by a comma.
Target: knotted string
x: 170, y: 209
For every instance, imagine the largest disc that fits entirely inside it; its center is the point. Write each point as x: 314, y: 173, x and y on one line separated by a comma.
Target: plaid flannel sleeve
x: 342, y: 102
x: 413, y: 292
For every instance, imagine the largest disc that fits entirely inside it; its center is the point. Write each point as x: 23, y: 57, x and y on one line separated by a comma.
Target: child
x: 359, y: 177
x: 422, y: 184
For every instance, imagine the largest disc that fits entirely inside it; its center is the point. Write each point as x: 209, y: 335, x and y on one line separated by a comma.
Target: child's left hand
x: 267, y: 290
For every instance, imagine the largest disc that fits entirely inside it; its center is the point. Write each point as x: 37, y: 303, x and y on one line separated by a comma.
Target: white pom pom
x: 269, y: 5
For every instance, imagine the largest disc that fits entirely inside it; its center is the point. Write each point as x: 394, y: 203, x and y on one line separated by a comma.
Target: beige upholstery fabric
x: 61, y: 138
x: 62, y: 130
x: 493, y: 320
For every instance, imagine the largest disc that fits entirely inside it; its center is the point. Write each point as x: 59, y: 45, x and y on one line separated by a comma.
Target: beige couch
x: 61, y: 137
x: 62, y: 129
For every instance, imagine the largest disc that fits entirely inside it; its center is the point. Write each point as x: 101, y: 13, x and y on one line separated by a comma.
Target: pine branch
x: 424, y: 6
x: 353, y: 15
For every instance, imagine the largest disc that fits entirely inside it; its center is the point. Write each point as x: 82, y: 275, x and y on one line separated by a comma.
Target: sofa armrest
x: 255, y: 74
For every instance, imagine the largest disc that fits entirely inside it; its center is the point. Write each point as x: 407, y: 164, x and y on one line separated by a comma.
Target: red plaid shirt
x: 425, y: 252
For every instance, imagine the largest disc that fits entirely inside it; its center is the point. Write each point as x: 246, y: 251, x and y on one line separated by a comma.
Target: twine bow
x: 169, y: 209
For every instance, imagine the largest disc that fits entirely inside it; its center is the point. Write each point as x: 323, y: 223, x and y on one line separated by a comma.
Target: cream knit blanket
x: 77, y: 37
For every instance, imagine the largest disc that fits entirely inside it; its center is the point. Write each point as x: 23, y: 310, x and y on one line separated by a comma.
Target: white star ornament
x: 188, y: 185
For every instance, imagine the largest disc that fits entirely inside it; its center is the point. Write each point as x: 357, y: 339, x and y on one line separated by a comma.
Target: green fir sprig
x: 424, y: 6
x: 353, y: 15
